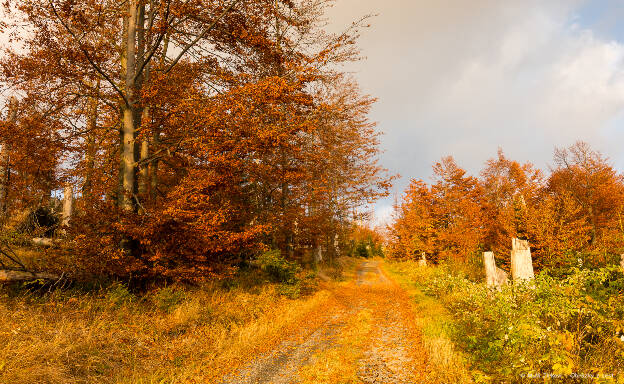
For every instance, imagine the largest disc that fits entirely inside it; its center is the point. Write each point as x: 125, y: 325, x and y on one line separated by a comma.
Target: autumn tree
x: 413, y: 230
x: 586, y: 176
x: 510, y: 190
x: 573, y: 214
x: 200, y: 132
x: 456, y: 211
x: 442, y: 220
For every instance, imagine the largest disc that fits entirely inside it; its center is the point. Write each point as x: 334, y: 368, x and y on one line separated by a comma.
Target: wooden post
x: 521, y: 262
x: 622, y: 262
x: 68, y: 203
x: 494, y: 276
x: 423, y: 260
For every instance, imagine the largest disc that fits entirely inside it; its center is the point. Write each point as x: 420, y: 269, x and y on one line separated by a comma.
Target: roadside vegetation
x: 168, y: 334
x: 448, y: 363
x: 180, y: 183
x: 558, y: 327
x: 564, y: 324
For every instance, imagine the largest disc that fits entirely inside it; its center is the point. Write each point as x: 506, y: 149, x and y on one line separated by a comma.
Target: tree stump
x: 521, y: 262
x: 423, y: 260
x: 68, y: 204
x: 494, y: 276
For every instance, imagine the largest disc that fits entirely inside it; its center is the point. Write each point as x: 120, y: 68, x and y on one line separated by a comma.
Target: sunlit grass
x: 338, y: 364
x: 169, y: 335
x: 447, y: 363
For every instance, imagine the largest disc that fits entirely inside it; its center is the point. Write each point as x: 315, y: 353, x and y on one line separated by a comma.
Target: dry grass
x: 170, y: 335
x: 339, y: 363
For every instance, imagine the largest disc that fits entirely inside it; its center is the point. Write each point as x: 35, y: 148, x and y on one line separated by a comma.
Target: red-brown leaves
x: 250, y: 139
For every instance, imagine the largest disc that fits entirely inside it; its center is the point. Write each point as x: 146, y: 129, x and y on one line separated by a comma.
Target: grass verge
x: 168, y: 335
x: 447, y: 364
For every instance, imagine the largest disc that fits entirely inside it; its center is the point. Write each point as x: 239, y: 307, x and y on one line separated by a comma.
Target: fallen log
x: 8, y: 276
x: 43, y: 241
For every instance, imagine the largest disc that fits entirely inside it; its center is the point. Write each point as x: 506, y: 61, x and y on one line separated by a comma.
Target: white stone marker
x: 521, y: 262
x: 494, y: 276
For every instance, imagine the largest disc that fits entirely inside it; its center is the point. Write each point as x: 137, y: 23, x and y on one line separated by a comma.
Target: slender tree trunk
x: 593, y: 224
x: 156, y: 132
x: 91, y: 143
x: 5, y: 168
x: 68, y: 204
x: 287, y: 229
x: 144, y: 174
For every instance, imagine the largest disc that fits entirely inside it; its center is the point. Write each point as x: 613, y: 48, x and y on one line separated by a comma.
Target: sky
x: 464, y: 78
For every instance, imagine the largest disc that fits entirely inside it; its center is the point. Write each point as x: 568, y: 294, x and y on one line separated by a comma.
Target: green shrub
x: 277, y: 268
x: 292, y: 291
x: 559, y: 326
x: 118, y: 294
x: 166, y: 299
x: 361, y: 250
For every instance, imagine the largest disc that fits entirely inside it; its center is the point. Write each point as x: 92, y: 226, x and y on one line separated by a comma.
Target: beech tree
x: 199, y: 132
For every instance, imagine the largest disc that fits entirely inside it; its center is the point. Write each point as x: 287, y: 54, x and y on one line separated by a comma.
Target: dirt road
x: 367, y: 336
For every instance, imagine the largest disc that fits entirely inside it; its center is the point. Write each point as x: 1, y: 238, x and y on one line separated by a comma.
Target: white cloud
x: 463, y: 78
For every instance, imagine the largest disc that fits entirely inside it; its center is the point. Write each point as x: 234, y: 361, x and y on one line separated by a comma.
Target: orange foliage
x: 575, y: 213
x: 254, y: 139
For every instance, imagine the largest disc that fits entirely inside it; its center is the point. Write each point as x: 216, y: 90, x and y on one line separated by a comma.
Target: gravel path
x: 392, y: 355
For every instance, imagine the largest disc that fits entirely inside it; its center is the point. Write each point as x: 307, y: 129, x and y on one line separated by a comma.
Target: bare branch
x: 201, y: 35
x: 86, y: 54
x: 154, y: 48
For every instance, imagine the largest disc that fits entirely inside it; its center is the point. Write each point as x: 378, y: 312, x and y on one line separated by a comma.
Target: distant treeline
x: 571, y: 216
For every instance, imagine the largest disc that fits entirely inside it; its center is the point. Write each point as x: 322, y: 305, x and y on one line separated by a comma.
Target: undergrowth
x: 169, y: 334
x: 568, y: 329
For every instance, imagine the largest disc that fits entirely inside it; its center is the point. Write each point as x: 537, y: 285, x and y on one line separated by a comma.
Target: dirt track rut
x: 391, y: 353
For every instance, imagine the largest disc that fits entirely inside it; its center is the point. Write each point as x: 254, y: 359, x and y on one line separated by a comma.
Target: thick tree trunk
x: 318, y: 254
x: 128, y: 131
